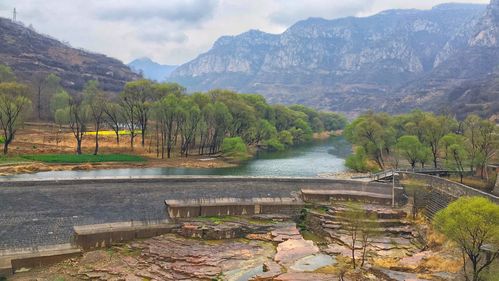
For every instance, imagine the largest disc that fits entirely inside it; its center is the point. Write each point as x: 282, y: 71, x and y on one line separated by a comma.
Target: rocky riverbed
x: 270, y: 248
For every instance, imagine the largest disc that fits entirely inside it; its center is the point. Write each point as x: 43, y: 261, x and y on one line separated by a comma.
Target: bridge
x: 387, y: 175
x: 39, y: 213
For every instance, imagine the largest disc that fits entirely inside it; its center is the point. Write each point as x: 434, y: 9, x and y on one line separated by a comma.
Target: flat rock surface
x: 291, y: 250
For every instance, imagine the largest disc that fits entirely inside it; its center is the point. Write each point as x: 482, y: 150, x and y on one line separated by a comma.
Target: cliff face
x: 467, y: 81
x: 28, y: 53
x: 349, y: 64
x: 443, y: 58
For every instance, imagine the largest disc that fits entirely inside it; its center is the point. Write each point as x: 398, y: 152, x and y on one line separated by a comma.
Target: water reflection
x: 322, y: 156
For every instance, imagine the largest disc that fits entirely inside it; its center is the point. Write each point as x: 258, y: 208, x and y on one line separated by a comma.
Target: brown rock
x: 294, y: 249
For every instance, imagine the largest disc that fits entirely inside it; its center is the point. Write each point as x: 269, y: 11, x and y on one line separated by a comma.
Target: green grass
x: 4, y: 160
x: 84, y: 158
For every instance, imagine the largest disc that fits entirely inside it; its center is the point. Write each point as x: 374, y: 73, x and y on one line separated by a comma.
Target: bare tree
x: 95, y: 101
x: 77, y: 120
x: 14, y: 106
x: 114, y: 118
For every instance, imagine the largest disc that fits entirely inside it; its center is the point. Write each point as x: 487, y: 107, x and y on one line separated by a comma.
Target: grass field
x: 84, y: 158
x: 5, y: 160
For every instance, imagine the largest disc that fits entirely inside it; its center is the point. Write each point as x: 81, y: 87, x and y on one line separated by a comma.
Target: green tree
x: 137, y: 98
x: 95, y: 102
x: 374, y: 132
x: 358, y: 161
x: 274, y: 144
x: 473, y: 224
x: 265, y: 131
x: 424, y: 156
x: 192, y: 118
x: 14, y: 107
x: 6, y: 74
x: 234, y: 148
x: 332, y: 121
x: 167, y: 112
x: 410, y: 147
x: 59, y: 100
x: 434, y: 128
x: 472, y: 134
x: 488, y: 144
x: 447, y: 141
x: 457, y: 156
x: 46, y: 86
x: 286, y: 138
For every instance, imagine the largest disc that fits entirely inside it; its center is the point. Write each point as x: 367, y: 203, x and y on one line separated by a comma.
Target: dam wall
x: 443, y: 191
x: 44, y: 212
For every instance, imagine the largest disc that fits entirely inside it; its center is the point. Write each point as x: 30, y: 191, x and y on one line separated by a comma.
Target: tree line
x: 162, y: 114
x: 422, y: 139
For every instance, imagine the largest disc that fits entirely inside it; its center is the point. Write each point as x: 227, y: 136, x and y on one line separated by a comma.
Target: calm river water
x: 318, y: 157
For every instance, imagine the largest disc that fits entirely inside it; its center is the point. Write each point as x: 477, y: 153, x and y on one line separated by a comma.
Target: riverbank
x: 42, y: 141
x: 200, y: 162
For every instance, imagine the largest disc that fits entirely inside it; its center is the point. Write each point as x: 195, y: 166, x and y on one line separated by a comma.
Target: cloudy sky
x: 176, y: 31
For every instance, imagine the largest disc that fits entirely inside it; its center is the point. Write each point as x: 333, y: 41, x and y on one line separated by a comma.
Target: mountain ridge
x: 30, y: 53
x: 151, y: 69
x: 349, y: 64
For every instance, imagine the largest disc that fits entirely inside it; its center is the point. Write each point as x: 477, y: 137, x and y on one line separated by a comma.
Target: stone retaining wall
x: 15, y: 259
x: 90, y: 237
x: 443, y: 191
x: 450, y: 188
x: 232, y: 207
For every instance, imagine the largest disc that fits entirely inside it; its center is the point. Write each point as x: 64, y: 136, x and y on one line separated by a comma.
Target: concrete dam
x: 44, y: 212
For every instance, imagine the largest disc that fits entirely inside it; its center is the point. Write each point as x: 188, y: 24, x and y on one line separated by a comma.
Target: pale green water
x: 318, y: 157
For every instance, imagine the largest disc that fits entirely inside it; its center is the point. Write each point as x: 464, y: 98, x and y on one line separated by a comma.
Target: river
x: 320, y: 156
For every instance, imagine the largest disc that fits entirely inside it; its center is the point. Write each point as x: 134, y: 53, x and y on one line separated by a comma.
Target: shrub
x: 234, y: 148
x: 358, y: 161
x: 2, y: 140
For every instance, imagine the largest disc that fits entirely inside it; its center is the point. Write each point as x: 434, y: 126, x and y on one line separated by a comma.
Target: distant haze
x: 176, y: 31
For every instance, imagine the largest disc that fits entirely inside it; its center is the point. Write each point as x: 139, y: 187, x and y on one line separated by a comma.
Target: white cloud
x: 175, y: 31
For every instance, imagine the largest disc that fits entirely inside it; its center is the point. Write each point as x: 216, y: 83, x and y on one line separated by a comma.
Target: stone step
x: 403, y: 230
x: 382, y: 222
x: 10, y: 262
x: 328, y: 195
x: 380, y: 213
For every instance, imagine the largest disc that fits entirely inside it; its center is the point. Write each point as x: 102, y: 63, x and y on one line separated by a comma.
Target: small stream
x: 321, y: 156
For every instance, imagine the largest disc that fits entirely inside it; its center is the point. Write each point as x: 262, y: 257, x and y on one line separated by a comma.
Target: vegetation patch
x: 12, y: 160
x: 84, y: 158
x: 113, y: 133
x: 235, y: 148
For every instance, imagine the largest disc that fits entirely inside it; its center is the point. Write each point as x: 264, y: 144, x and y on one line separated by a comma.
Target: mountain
x: 30, y: 53
x: 467, y: 81
x: 349, y: 64
x: 152, y: 70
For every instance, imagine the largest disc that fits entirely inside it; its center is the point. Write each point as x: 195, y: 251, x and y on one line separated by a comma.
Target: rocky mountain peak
x: 352, y: 64
x: 487, y: 34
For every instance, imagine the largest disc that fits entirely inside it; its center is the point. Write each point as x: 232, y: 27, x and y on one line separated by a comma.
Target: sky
x: 176, y: 31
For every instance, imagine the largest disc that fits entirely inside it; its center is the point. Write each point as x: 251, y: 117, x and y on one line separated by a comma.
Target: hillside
x: 28, y: 53
x: 151, y: 70
x: 349, y: 64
